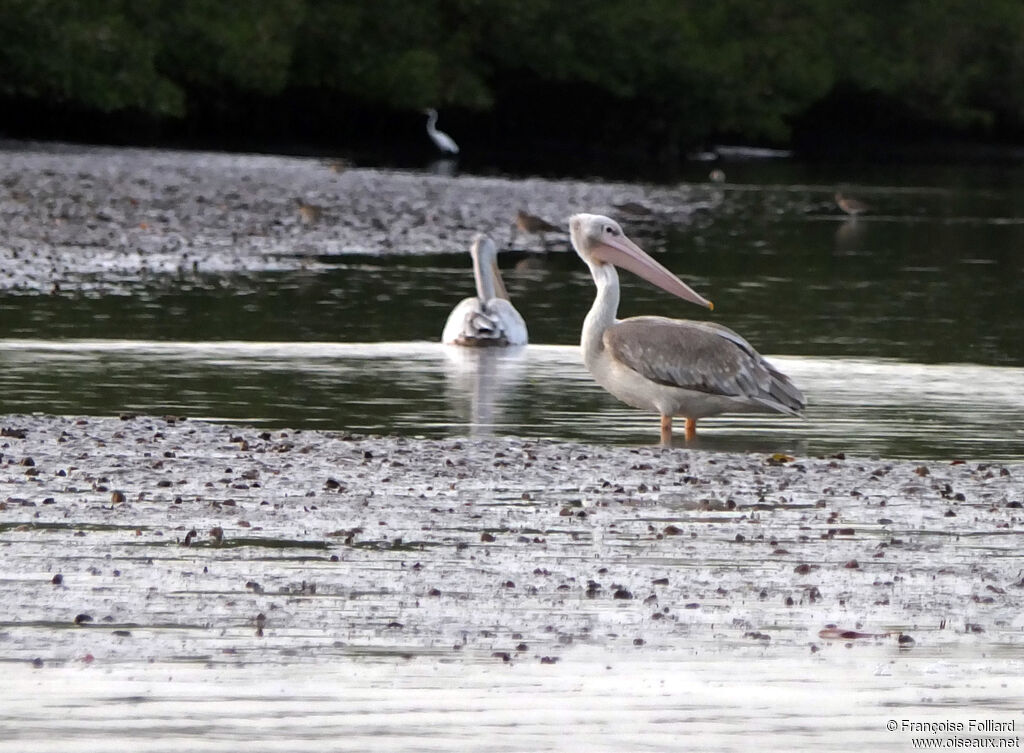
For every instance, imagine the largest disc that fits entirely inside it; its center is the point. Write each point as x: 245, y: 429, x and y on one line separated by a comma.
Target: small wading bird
x: 490, y: 318
x: 675, y: 367
x: 634, y: 208
x: 442, y: 140
x: 531, y: 223
x: 851, y: 206
x: 308, y: 213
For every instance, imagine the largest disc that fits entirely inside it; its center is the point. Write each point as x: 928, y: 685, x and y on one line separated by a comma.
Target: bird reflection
x: 444, y: 168
x: 849, y: 237
x: 535, y: 264
x: 480, y: 382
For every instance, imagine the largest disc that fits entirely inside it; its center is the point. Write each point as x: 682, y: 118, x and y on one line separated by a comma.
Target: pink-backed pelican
x: 675, y: 367
x: 490, y: 318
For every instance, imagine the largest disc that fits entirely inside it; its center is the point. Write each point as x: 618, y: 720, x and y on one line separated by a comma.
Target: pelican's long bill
x: 622, y: 252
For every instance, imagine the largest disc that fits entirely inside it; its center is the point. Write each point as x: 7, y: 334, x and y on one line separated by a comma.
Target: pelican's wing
x: 509, y: 320
x: 703, y: 357
x: 473, y: 324
x: 445, y: 142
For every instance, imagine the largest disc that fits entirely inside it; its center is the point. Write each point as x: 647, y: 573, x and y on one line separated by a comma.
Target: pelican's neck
x: 432, y: 121
x: 483, y: 271
x: 602, y: 314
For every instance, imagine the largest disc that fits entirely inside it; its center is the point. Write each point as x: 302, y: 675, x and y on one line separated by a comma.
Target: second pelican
x: 490, y: 318
x: 675, y: 367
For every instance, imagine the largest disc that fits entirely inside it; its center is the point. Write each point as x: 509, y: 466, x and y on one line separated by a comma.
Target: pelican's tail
x: 482, y: 331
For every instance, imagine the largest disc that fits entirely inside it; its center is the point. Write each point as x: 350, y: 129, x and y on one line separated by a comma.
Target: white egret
x: 442, y: 140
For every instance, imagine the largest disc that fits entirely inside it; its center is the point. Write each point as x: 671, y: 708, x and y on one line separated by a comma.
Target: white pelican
x: 675, y: 367
x: 850, y: 205
x: 442, y: 140
x: 490, y: 318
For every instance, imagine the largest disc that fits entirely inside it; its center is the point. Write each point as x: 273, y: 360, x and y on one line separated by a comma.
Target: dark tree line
x: 658, y: 75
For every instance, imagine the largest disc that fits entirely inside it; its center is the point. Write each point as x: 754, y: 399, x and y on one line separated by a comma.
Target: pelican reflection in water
x: 482, y: 386
x: 490, y: 318
x: 676, y: 367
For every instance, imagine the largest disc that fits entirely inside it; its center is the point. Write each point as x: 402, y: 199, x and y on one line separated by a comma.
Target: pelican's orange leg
x: 666, y: 430
x: 691, y: 429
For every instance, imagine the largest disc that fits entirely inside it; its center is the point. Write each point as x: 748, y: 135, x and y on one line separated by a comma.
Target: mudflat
x: 227, y: 543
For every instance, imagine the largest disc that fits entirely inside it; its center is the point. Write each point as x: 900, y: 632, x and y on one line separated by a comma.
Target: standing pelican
x: 675, y: 367
x: 490, y: 318
x: 442, y: 140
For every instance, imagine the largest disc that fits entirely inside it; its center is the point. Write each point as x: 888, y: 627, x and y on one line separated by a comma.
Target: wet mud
x: 178, y: 540
x: 101, y: 220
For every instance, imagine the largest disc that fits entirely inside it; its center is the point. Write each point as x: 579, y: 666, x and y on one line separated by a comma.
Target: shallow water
x: 862, y: 407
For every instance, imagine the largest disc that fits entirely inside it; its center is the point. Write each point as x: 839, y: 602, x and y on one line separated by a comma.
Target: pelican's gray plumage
x: 675, y: 367
x: 489, y: 318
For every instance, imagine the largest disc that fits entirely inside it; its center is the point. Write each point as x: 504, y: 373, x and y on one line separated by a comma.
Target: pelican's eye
x: 610, y: 230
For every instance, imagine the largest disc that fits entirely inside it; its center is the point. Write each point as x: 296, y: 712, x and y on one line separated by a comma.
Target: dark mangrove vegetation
x: 652, y: 77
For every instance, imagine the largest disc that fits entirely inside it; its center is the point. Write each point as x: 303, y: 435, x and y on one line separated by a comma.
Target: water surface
x: 869, y: 407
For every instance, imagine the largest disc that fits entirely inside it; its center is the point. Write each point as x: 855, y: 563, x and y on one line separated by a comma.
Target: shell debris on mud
x: 166, y: 539
x: 99, y: 219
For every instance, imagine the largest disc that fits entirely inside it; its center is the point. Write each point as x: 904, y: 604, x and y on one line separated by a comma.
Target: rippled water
x: 859, y: 406
x: 794, y: 279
